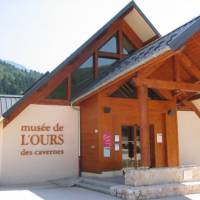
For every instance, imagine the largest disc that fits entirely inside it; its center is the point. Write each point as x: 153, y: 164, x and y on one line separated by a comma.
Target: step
x: 96, y: 188
x: 155, y: 191
x: 97, y: 182
x: 153, y: 176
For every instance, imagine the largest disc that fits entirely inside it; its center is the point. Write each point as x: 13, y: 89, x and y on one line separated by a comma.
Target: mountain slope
x: 14, y: 80
x: 16, y: 65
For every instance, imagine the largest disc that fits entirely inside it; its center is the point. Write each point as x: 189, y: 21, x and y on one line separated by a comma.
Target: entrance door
x: 131, y: 147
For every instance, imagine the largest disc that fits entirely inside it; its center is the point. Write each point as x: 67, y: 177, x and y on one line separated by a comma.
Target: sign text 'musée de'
x: 42, y: 135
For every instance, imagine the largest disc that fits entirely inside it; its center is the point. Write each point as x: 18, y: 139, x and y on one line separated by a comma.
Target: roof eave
x: 182, y: 39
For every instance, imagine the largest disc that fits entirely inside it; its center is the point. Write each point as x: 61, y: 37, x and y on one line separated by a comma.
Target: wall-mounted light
x: 107, y: 109
x: 171, y: 112
x: 96, y: 130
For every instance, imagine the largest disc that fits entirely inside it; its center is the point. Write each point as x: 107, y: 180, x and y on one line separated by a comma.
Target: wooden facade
x: 125, y: 112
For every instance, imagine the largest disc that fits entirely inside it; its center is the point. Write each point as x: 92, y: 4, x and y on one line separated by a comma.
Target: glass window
x: 82, y: 76
x: 104, y: 63
x: 153, y: 95
x: 127, y: 46
x: 60, y: 92
x: 110, y: 46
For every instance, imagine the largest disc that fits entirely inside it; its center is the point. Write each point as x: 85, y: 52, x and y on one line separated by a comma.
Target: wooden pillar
x: 144, y: 125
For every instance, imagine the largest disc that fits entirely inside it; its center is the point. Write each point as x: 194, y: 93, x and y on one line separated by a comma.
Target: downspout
x: 79, y: 143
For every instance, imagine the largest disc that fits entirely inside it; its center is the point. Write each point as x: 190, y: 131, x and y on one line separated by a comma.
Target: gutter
x: 121, y: 74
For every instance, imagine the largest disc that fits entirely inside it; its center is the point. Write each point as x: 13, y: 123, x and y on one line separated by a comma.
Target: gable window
x: 110, y: 46
x: 103, y: 57
x: 60, y: 92
x: 82, y: 76
x: 127, y: 46
x: 104, y: 65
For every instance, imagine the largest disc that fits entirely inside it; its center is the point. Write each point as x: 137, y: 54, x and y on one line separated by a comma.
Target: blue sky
x: 40, y: 34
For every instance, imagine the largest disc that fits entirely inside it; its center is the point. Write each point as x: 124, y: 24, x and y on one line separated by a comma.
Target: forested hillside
x: 14, y: 80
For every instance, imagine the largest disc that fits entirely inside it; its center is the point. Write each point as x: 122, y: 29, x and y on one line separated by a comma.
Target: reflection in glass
x: 60, y: 92
x: 104, y: 64
x: 127, y: 46
x: 82, y: 76
x: 110, y: 46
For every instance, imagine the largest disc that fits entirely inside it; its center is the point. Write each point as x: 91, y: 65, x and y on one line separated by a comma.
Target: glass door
x: 131, y: 146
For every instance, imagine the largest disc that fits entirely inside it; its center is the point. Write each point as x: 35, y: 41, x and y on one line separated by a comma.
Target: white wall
x: 36, y: 168
x: 189, y: 138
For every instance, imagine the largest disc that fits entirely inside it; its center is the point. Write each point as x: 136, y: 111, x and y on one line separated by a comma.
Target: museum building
x: 128, y: 97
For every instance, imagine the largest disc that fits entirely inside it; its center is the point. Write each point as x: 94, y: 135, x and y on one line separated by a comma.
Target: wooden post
x: 144, y: 125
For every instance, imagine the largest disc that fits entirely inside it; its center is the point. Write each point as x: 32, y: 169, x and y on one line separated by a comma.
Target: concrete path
x: 186, y: 197
x: 37, y: 193
x: 52, y: 192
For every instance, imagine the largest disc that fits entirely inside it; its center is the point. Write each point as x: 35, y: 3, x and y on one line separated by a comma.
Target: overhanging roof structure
x: 172, y: 41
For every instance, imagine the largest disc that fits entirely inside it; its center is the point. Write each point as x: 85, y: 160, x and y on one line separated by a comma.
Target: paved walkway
x: 187, y: 197
x: 37, y: 193
x: 53, y: 192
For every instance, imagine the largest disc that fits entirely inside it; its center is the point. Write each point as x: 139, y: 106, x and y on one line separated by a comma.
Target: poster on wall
x: 159, y: 137
x: 107, y: 140
x: 116, y: 138
x: 106, y: 152
x: 116, y: 146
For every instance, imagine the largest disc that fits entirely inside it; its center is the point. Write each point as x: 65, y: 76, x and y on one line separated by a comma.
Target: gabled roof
x: 7, y: 101
x: 48, y: 76
x: 171, y: 41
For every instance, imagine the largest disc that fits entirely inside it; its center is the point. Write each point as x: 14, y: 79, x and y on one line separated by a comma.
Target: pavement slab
x: 57, y: 193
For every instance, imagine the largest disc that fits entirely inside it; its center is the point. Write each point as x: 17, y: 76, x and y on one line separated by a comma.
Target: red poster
x: 107, y: 139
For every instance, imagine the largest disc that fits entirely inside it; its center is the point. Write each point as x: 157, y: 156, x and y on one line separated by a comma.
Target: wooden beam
x: 193, y: 107
x: 108, y: 91
x: 177, y: 69
x: 189, y: 66
x: 150, y: 40
x: 120, y: 43
x: 110, y: 55
x: 168, y: 85
x: 193, y: 97
x: 144, y: 125
x: 148, y: 71
x: 183, y: 108
x: 165, y: 94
